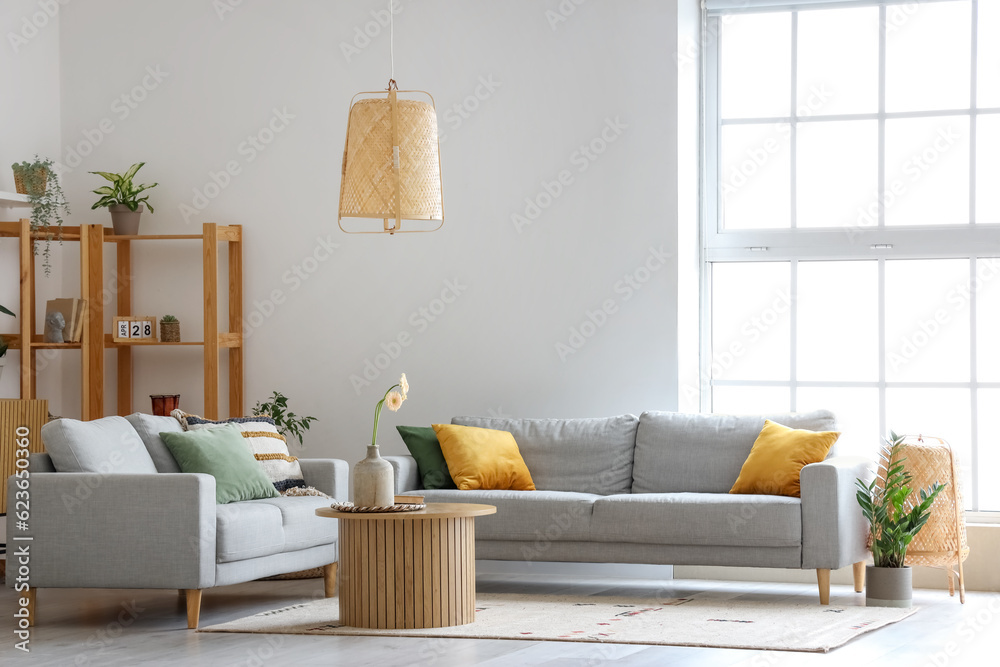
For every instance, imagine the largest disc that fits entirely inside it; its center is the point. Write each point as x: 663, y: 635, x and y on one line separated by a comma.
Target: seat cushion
x: 529, y: 516
x: 108, y: 446
x: 703, y: 453
x: 255, y: 528
x: 580, y: 455
x: 699, y: 519
x: 149, y: 428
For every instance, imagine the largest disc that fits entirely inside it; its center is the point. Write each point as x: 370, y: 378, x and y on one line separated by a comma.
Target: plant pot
x: 164, y: 404
x: 372, y: 481
x: 22, y: 187
x: 889, y: 586
x: 170, y: 332
x: 124, y: 220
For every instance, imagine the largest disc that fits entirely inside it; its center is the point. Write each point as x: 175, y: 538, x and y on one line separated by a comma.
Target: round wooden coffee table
x: 408, y: 569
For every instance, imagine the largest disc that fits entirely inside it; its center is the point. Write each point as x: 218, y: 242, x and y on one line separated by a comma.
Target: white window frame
x: 966, y: 241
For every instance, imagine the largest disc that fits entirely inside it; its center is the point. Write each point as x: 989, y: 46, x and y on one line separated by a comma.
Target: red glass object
x: 164, y: 404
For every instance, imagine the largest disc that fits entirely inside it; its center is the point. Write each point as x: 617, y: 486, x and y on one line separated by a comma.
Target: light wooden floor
x: 113, y: 627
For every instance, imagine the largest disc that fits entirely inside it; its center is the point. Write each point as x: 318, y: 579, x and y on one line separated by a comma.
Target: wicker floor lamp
x: 942, y: 542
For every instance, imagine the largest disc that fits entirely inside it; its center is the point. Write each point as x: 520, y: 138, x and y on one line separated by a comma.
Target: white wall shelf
x: 13, y: 200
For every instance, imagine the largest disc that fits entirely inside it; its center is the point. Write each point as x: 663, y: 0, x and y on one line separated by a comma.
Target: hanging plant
x: 48, y: 203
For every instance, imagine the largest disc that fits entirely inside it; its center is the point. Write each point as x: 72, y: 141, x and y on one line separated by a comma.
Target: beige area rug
x: 618, y: 620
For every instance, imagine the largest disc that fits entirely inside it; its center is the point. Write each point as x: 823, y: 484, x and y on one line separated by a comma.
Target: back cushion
x: 703, y: 453
x: 149, y: 428
x: 583, y: 455
x: 108, y: 446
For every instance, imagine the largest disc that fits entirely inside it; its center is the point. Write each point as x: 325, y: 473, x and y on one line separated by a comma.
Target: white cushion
x: 109, y: 445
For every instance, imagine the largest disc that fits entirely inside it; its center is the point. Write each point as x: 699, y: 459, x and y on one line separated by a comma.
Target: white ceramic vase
x: 372, y: 481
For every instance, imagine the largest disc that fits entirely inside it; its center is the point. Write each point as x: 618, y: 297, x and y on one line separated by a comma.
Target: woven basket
x: 368, y: 183
x: 942, y: 542
x: 22, y: 187
x: 170, y: 332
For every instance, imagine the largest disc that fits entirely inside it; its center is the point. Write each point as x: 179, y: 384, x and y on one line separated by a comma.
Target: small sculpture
x: 54, y: 325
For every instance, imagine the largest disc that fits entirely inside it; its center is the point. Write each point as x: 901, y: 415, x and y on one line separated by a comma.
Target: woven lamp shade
x: 373, y: 184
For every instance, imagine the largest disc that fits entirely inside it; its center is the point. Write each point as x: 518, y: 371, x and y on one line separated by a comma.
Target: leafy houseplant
x: 288, y: 423
x: 123, y: 200
x: 894, y: 518
x: 48, y: 201
x: 170, y: 329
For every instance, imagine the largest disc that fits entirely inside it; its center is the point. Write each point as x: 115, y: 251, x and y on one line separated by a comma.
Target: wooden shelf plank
x: 151, y: 237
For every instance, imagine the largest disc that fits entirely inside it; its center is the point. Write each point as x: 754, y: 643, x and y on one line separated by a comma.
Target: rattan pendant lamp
x: 392, y: 160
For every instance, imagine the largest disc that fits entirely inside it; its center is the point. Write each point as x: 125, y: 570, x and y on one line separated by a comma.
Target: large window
x: 851, y: 244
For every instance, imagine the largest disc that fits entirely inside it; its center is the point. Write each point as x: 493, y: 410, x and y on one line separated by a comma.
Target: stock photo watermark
x: 32, y: 25
x: 460, y: 112
x: 19, y: 554
x: 584, y: 156
x: 363, y: 35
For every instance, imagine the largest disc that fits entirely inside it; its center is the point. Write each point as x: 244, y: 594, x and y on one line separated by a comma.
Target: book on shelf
x: 73, y: 312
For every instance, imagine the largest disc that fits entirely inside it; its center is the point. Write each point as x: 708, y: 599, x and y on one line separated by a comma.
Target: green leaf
x: 132, y: 170
x: 103, y: 190
x: 6, y: 312
x: 114, y: 178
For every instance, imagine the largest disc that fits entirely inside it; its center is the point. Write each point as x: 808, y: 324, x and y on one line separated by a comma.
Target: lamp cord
x: 392, y: 60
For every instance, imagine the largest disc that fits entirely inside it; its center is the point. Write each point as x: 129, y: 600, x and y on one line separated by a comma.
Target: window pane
x: 988, y: 166
x: 927, y: 320
x: 987, y: 320
x: 751, y: 322
x: 989, y: 451
x: 756, y: 176
x: 942, y: 413
x: 750, y: 400
x: 837, y: 171
x: 927, y: 56
x: 838, y: 61
x: 838, y: 321
x: 756, y: 64
x: 988, y: 54
x: 857, y: 416
x: 927, y: 171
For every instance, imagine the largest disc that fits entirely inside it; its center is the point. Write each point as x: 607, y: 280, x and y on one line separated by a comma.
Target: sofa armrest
x: 404, y: 469
x: 834, y: 532
x: 328, y: 475
x: 114, y: 531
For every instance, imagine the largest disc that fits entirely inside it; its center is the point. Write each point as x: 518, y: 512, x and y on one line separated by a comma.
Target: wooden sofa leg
x: 193, y: 607
x: 30, y: 594
x: 330, y: 580
x: 823, y: 579
x: 859, y: 577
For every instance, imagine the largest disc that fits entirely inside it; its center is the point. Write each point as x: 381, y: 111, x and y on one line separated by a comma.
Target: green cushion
x: 221, y: 453
x: 426, y: 450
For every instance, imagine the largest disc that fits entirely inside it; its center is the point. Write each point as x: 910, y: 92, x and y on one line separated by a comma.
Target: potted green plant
x: 123, y: 200
x: 286, y: 421
x: 894, y: 519
x: 40, y: 183
x: 170, y: 329
x: 3, y: 343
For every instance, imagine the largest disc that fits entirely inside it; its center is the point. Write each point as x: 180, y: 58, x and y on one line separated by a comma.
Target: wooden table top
x: 432, y: 511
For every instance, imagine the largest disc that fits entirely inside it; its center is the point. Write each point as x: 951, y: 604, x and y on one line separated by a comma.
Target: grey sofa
x: 111, y: 528
x: 655, y: 490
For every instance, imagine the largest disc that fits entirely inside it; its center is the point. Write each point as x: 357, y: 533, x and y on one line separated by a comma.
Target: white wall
x: 494, y: 348
x: 29, y: 125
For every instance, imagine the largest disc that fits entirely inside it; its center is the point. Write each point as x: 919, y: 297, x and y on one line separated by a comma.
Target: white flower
x: 393, y: 400
x: 403, y: 385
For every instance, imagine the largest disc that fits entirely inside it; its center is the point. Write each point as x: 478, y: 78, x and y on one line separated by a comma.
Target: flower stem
x: 378, y: 412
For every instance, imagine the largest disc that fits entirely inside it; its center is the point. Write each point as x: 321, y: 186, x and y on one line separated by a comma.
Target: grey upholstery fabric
x: 407, y: 477
x: 40, y: 463
x: 149, y: 428
x: 583, y: 455
x: 247, y: 530
x: 106, y: 446
x: 301, y: 527
x: 328, y: 475
x: 652, y: 554
x: 120, y: 531
x: 526, y: 515
x: 268, y: 566
x: 704, y: 519
x: 703, y: 453
x: 834, y: 532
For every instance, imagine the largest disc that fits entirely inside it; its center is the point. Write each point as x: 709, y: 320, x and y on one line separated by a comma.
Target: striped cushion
x: 268, y: 446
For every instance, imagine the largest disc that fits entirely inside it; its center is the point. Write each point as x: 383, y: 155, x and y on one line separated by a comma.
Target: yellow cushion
x: 777, y: 458
x: 481, y: 458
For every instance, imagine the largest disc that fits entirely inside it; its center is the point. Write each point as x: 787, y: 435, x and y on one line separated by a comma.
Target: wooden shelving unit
x: 95, y: 340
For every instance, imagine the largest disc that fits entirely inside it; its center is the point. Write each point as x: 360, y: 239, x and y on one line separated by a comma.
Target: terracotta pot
x: 888, y: 586
x: 124, y: 220
x: 372, y: 481
x: 164, y: 404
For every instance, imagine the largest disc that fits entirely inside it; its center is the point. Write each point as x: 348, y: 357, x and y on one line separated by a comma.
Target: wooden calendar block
x: 134, y: 329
